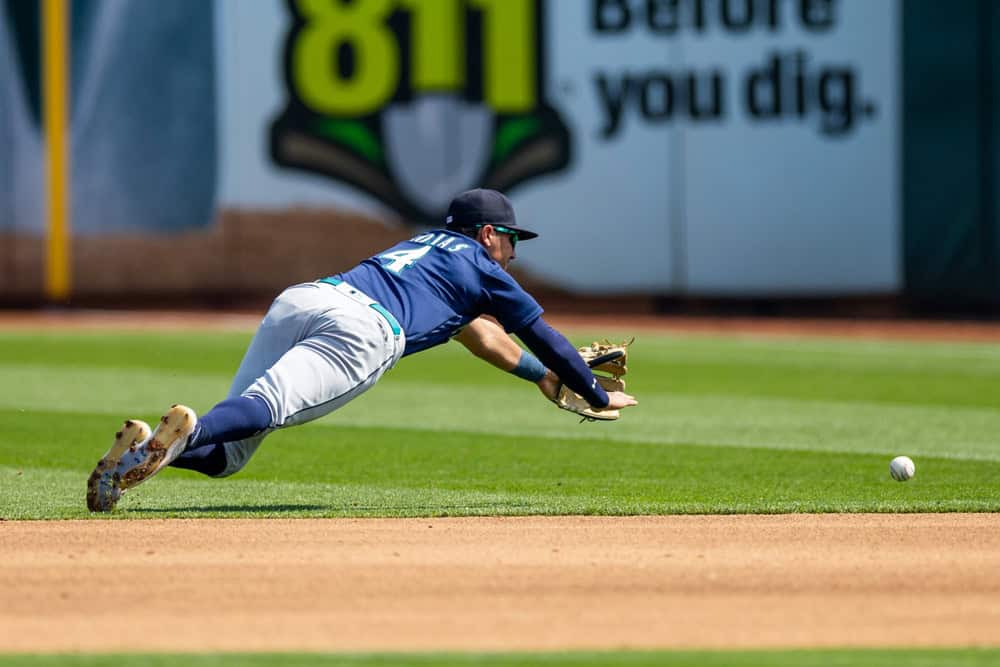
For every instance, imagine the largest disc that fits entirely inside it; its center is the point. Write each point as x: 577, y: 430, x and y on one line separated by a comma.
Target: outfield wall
x: 710, y: 148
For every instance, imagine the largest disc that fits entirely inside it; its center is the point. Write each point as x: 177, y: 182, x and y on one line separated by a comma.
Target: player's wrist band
x: 529, y: 367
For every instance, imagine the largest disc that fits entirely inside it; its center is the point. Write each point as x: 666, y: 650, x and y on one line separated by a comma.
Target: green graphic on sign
x: 416, y: 100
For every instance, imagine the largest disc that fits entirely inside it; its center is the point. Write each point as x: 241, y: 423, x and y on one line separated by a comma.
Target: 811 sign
x: 345, y: 59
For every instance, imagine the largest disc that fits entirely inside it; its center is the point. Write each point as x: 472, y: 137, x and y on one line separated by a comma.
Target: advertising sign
x: 707, y: 146
x: 700, y: 147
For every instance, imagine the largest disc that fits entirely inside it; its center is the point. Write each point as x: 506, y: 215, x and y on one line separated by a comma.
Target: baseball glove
x: 601, y: 357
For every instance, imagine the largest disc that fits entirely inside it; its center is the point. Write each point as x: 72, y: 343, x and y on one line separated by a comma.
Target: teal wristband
x: 529, y: 367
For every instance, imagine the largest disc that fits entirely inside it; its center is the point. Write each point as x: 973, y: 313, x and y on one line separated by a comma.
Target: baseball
x: 901, y: 468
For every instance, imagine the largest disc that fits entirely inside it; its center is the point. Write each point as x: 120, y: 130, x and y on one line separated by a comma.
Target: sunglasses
x: 505, y: 230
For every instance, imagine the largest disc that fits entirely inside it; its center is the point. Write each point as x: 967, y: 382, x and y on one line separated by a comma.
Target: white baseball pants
x: 319, y: 346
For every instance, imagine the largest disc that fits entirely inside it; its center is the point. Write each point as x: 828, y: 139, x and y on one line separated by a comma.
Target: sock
x: 208, y: 459
x: 231, y: 420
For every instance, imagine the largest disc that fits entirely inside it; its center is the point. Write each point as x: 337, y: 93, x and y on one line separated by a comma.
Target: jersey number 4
x: 401, y: 259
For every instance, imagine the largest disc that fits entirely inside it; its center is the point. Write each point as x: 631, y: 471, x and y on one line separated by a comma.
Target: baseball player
x: 323, y: 343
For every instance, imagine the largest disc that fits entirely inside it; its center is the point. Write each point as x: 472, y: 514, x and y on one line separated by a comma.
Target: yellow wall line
x: 54, y: 56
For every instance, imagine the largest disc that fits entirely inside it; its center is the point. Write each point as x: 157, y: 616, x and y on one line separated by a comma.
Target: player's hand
x: 549, y: 385
x: 619, y: 399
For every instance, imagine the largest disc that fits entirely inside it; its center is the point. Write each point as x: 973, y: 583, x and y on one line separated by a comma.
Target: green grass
x: 726, y: 425
x: 818, y: 658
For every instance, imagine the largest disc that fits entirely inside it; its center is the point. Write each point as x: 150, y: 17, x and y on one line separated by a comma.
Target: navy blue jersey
x: 438, y: 282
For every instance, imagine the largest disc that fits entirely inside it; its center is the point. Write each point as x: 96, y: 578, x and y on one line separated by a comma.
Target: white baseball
x: 901, y: 468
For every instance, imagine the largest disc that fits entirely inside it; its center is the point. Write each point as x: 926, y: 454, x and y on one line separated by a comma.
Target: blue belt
x: 364, y: 299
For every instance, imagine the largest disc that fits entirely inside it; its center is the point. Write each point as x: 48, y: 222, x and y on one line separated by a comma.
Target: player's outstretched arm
x: 559, y: 355
x: 595, y: 398
x: 487, y: 340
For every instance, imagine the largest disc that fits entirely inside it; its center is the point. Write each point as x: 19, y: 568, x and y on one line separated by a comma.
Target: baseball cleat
x: 103, y: 489
x: 132, y: 461
x: 166, y: 444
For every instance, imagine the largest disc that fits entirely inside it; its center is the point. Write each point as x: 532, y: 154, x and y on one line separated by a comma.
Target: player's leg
x: 129, y: 464
x: 234, y: 419
x: 338, y: 349
x: 340, y: 352
x: 246, y: 419
x: 348, y: 348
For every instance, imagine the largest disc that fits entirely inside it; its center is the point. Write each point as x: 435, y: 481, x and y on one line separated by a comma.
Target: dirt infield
x: 501, y: 583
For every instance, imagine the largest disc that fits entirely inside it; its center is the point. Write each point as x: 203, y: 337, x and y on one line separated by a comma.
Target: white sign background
x: 736, y: 206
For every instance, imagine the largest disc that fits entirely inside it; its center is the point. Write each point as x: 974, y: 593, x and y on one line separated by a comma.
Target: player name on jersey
x: 441, y: 240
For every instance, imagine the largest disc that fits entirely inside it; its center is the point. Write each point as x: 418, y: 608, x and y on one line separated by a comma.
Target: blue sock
x: 231, y: 420
x: 208, y: 459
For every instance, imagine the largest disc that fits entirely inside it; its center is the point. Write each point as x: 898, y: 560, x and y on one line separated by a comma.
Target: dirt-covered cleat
x: 166, y: 444
x: 103, y: 485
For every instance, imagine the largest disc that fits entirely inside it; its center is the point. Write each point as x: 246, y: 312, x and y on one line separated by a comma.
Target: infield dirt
x: 501, y: 583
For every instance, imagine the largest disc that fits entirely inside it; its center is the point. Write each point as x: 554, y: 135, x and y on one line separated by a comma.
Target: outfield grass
x: 726, y: 425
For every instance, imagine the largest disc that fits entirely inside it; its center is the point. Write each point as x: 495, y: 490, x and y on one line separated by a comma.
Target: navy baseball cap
x: 484, y: 207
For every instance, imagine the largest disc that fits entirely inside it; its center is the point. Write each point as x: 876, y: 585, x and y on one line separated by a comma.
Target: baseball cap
x: 484, y: 207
